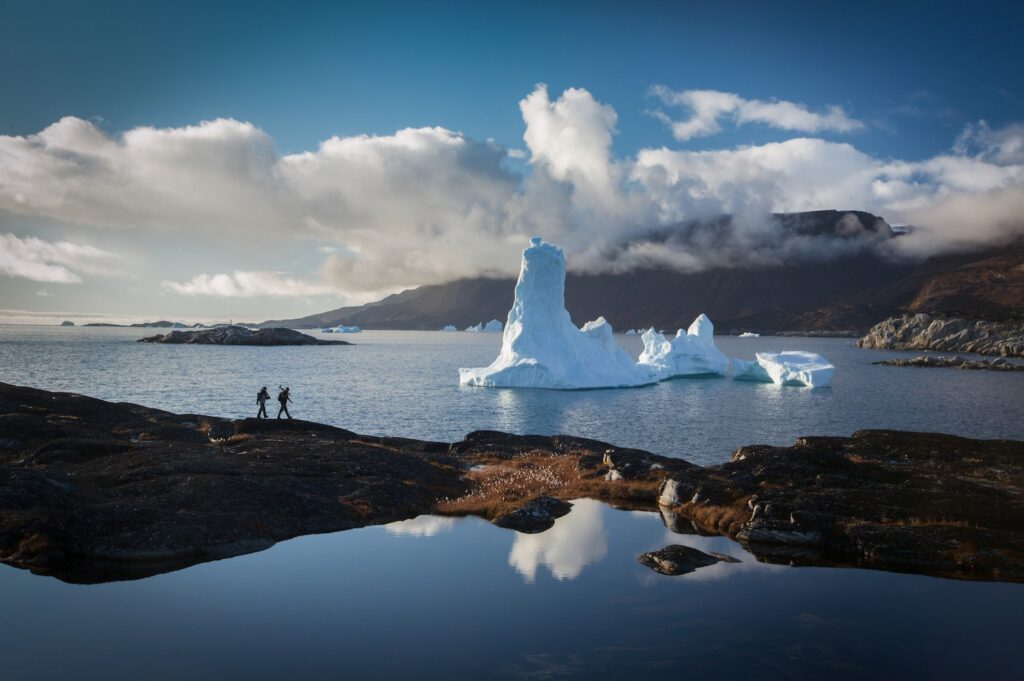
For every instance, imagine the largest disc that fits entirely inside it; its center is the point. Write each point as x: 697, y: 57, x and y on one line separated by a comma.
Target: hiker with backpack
x: 261, y: 399
x: 284, y: 398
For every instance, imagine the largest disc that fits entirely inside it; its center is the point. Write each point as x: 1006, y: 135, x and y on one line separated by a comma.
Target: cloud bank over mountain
x: 426, y: 205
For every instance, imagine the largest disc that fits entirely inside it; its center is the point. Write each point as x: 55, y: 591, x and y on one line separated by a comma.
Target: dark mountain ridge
x: 845, y: 294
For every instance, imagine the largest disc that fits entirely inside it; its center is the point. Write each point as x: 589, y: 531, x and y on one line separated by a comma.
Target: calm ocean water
x: 405, y: 383
x: 439, y: 598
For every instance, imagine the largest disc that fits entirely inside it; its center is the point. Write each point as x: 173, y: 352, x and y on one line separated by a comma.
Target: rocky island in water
x: 93, y: 491
x: 239, y: 335
x: 947, y: 334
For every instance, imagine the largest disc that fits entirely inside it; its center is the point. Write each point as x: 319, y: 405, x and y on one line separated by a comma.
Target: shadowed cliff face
x: 94, y: 491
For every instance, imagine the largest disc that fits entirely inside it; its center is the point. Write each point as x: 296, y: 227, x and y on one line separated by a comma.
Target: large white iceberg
x: 541, y: 348
x: 793, y: 367
x: 692, y: 353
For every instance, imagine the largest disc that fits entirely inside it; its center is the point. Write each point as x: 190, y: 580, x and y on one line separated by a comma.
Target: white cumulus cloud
x: 426, y: 205
x: 707, y: 107
x: 240, y: 284
x: 57, y: 262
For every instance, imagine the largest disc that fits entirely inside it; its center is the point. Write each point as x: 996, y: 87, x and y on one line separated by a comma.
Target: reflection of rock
x: 422, y: 526
x: 575, y: 541
x: 954, y: 362
x: 535, y: 516
x: 677, y: 559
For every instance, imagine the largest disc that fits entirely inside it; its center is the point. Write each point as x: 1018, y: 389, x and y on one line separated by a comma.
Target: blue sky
x: 303, y: 72
x: 165, y: 159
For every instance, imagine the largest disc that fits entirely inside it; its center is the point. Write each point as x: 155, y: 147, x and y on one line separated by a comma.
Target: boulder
x: 677, y: 559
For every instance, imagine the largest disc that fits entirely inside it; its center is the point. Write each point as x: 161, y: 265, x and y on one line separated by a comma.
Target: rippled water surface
x: 437, y: 598
x: 405, y: 383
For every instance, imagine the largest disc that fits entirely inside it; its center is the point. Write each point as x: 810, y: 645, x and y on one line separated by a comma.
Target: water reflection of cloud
x: 577, y: 540
x: 421, y: 526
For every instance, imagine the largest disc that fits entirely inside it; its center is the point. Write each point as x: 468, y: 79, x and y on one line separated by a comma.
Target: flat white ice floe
x: 748, y: 334
x: 692, y: 353
x: 541, y: 348
x: 793, y: 367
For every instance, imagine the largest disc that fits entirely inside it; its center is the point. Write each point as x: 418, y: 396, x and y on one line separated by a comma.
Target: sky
x: 256, y: 160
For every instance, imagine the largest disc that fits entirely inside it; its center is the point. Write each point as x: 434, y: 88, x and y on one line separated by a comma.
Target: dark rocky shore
x: 947, y: 334
x: 94, y: 491
x: 956, y: 362
x: 239, y: 335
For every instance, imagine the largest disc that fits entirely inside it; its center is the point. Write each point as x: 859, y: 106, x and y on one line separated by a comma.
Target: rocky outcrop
x: 93, y: 491
x: 947, y: 334
x: 677, y: 559
x: 239, y: 335
x: 537, y: 515
x: 955, y: 362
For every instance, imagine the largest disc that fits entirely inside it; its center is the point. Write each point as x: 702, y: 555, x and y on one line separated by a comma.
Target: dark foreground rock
x: 239, y: 335
x: 677, y: 559
x: 537, y: 515
x: 947, y: 334
x: 955, y: 362
x: 94, y: 491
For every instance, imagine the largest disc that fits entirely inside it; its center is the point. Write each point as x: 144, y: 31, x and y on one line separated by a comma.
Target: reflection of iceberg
x: 542, y: 348
x: 449, y: 327
x: 688, y: 354
x: 577, y: 540
x: 422, y: 526
x: 793, y: 367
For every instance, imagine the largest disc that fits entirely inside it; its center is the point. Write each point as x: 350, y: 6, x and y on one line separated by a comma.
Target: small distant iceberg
x: 692, y: 353
x: 542, y: 348
x: 632, y: 332
x: 493, y: 326
x: 749, y: 334
x: 449, y: 328
x: 793, y: 367
x: 341, y: 329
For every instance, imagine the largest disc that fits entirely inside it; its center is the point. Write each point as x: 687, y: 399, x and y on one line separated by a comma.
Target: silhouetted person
x: 261, y: 399
x: 284, y: 399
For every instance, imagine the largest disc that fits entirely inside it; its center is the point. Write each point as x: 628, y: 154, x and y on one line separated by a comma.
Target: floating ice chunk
x: 748, y: 334
x: 493, y: 326
x: 477, y: 328
x: 347, y: 329
x: 631, y: 332
x: 793, y: 367
x: 692, y: 353
x: 541, y: 348
x: 449, y: 327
